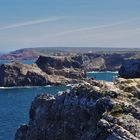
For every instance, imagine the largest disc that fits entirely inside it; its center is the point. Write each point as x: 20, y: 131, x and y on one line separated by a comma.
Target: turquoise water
x: 107, y: 76
x: 15, y: 103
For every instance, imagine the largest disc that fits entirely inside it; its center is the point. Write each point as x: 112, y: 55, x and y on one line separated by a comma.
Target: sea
x: 15, y: 102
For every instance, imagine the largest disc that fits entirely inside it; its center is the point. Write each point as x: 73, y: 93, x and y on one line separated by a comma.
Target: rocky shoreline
x: 51, y: 71
x: 62, y: 70
x: 95, y: 60
x: 95, y: 110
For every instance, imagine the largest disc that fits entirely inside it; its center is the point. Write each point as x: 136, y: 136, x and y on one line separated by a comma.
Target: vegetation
x: 116, y: 111
x: 129, y: 81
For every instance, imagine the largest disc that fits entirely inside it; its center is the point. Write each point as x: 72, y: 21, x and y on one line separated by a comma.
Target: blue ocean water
x: 107, y: 76
x: 14, y: 107
x: 15, y: 103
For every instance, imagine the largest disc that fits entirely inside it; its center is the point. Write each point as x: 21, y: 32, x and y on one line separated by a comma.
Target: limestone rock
x: 18, y: 74
x: 84, y: 112
x: 64, y: 66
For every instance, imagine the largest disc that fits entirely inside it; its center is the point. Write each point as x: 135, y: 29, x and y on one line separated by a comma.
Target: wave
x: 72, y: 85
x: 103, y: 72
x: 25, y: 87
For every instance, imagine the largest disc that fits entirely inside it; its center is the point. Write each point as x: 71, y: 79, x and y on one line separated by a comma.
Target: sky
x: 69, y: 23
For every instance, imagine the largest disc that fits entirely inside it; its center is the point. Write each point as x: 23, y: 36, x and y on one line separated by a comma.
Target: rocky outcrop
x: 18, y: 74
x: 97, y: 64
x: 102, y: 62
x: 64, y: 66
x: 23, y: 54
x: 57, y: 62
x: 130, y: 69
x: 96, y: 110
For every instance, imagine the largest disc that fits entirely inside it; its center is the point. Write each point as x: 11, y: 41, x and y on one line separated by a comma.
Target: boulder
x: 130, y: 69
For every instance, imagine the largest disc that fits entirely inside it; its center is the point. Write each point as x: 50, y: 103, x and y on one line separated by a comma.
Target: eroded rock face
x: 17, y: 74
x: 57, y: 62
x: 101, y: 62
x: 130, y: 69
x: 93, y: 111
x: 64, y: 66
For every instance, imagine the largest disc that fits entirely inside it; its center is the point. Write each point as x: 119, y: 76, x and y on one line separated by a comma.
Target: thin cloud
x: 28, y: 23
x: 95, y: 27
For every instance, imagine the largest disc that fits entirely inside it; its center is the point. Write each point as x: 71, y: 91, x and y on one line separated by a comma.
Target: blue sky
x: 82, y: 23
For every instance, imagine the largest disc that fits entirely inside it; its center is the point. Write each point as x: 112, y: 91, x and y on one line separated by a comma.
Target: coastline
x: 68, y: 85
x: 103, y: 72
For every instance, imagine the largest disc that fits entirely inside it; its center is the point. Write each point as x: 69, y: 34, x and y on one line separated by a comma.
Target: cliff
x: 65, y: 66
x: 17, y: 74
x: 100, y: 59
x: 22, y: 54
x: 130, y: 69
x: 45, y: 72
x: 96, y: 110
x: 103, y: 61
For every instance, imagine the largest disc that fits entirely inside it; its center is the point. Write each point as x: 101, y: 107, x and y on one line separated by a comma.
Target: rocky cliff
x: 100, y: 59
x: 23, y: 54
x: 130, y: 69
x: 96, y: 110
x: 17, y: 74
x: 57, y: 62
x: 103, y: 61
x: 65, y: 66
x: 47, y: 71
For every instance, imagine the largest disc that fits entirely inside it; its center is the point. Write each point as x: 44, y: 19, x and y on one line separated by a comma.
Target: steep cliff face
x: 64, y: 66
x: 57, y: 62
x: 17, y: 74
x: 94, y: 111
x: 102, y: 62
x: 130, y: 69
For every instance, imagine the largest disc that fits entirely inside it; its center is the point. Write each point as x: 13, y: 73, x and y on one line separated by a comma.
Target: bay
x: 15, y: 102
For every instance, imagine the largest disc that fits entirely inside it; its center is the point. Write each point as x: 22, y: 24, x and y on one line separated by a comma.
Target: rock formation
x: 17, y: 74
x: 96, y: 110
x: 101, y: 62
x: 130, y: 69
x: 57, y: 62
x: 23, y: 54
x: 64, y: 66
x: 45, y: 72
